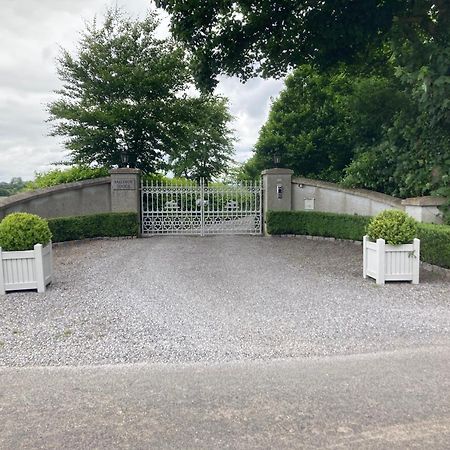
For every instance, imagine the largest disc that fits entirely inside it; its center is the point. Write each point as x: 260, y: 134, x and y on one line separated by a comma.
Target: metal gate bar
x: 186, y: 208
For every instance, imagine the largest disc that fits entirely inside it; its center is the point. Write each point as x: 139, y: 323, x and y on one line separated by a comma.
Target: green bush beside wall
x: 435, y: 244
x: 434, y: 239
x: 340, y: 226
x: 95, y: 225
x: 69, y: 175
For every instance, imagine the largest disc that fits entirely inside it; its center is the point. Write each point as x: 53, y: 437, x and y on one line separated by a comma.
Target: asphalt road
x: 385, y: 400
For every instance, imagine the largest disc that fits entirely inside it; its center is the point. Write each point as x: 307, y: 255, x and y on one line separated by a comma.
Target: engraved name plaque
x: 124, y: 184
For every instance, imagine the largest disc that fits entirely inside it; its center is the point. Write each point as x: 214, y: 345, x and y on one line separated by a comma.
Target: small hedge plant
x: 22, y: 231
x: 395, y: 227
x: 93, y: 225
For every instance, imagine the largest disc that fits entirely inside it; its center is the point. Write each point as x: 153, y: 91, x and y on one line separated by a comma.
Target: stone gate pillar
x: 125, y: 184
x: 277, y: 190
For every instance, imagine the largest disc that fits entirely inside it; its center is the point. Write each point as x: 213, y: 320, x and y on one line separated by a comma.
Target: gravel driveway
x: 216, y: 299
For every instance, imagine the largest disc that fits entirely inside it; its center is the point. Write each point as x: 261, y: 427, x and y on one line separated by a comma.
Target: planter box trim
x: 28, y: 269
x: 385, y: 262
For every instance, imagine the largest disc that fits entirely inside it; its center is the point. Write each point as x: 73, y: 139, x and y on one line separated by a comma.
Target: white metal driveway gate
x: 201, y: 209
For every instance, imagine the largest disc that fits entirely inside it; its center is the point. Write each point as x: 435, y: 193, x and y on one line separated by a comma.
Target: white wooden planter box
x: 391, y: 262
x: 28, y: 269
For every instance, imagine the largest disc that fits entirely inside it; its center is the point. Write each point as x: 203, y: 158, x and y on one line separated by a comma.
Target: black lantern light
x: 276, y: 159
x: 124, y: 159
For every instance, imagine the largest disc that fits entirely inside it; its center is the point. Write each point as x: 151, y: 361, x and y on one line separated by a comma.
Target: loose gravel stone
x: 216, y: 299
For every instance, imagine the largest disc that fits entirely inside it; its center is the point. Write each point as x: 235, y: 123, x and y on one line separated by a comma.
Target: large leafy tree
x: 124, y: 91
x: 308, y: 125
x: 412, y: 156
x: 409, y: 152
x: 208, y: 148
x: 321, y: 118
x: 13, y: 187
x: 253, y: 37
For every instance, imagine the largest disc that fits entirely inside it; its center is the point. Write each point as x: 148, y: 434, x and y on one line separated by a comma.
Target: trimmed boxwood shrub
x: 94, y: 225
x: 313, y: 223
x: 434, y: 239
x: 395, y: 227
x: 22, y: 231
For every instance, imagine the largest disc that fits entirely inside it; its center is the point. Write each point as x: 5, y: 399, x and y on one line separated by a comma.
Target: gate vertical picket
x: 202, y: 206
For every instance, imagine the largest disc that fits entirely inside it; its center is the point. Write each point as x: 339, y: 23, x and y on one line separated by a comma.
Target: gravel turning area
x: 216, y: 299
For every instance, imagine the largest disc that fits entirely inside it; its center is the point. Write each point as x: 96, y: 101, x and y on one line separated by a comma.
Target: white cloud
x: 31, y: 37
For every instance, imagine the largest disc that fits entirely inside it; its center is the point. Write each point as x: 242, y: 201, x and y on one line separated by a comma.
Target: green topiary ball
x: 395, y: 227
x: 21, y: 231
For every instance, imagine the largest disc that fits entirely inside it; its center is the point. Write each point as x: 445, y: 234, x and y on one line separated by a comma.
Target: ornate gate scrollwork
x: 190, y: 209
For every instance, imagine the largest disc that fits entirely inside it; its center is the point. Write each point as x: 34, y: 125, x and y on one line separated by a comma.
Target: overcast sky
x: 31, y: 32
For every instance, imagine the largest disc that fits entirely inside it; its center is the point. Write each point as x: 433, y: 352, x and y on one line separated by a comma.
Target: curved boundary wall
x: 117, y: 193
x: 120, y: 193
x: 283, y: 192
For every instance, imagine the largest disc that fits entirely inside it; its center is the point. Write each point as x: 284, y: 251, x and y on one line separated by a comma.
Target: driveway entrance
x: 201, y: 209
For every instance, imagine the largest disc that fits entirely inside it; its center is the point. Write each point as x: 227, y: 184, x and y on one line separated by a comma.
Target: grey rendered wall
x: 329, y: 197
x: 71, y: 199
x: 425, y: 209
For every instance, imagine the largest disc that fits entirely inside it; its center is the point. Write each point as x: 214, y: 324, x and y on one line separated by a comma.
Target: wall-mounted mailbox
x: 279, y: 191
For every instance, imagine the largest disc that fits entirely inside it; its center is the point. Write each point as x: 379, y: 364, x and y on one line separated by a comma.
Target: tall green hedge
x: 434, y: 239
x: 95, y: 225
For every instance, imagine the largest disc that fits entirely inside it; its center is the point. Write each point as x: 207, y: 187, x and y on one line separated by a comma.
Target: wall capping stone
x: 372, y: 195
x: 125, y: 170
x: 424, y: 201
x: 277, y: 171
x: 23, y: 197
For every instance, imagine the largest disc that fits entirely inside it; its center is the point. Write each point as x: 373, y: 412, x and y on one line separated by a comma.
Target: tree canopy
x: 125, y: 91
x: 253, y: 37
x: 321, y: 119
x: 208, y: 148
x: 308, y: 125
x: 368, y: 103
x: 13, y: 187
x: 365, y: 131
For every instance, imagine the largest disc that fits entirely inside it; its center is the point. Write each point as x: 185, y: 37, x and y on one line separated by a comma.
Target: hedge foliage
x: 58, y: 176
x: 95, y: 225
x: 434, y: 239
x: 312, y: 223
x: 22, y: 231
x: 435, y: 244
